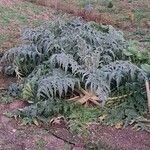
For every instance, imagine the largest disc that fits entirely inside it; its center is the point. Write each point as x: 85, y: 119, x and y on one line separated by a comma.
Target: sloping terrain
x: 14, y: 16
x: 131, y: 16
x: 15, y: 137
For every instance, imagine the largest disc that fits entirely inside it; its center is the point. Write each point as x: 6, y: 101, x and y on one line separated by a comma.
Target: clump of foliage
x: 110, y: 4
x: 126, y: 109
x: 5, y: 97
x: 74, y: 60
x: 77, y: 115
x: 8, y: 95
x: 135, y: 55
x: 40, y: 144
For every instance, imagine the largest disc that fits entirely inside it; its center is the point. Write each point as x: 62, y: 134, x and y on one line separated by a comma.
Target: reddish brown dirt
x: 16, y: 137
x: 121, y: 139
x: 6, y: 81
x: 13, y: 136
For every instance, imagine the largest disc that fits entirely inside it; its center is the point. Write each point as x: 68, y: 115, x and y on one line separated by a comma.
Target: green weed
x: 141, y: 14
x: 8, y: 14
x: 40, y: 144
x: 5, y: 97
x: 139, y: 31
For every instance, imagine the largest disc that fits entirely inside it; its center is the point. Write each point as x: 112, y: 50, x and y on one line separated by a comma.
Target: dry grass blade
x: 85, y: 98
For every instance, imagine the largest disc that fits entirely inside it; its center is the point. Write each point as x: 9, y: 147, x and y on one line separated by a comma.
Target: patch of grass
x: 80, y: 116
x: 8, y: 14
x: 100, y: 145
x: 67, y: 147
x: 141, y: 14
x: 30, y: 7
x: 20, y: 14
x: 37, y: 22
x: 5, y: 97
x: 139, y: 31
x: 147, y: 37
x: 123, y: 17
x: 15, y: 17
x: 105, y: 10
x: 40, y: 144
x: 4, y: 36
x: 83, y: 3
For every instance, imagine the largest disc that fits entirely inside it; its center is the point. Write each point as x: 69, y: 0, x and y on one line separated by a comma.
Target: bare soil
x: 16, y: 137
x: 121, y: 139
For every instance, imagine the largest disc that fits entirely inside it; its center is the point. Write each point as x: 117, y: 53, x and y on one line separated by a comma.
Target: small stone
x: 14, y: 130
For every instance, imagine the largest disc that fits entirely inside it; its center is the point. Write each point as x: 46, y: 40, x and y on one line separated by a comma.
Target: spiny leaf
x: 59, y: 82
x: 65, y: 61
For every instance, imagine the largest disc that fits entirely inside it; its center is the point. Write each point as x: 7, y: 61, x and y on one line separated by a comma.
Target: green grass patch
x: 4, y: 36
x: 80, y: 116
x: 30, y: 7
x: 140, y: 31
x: 123, y: 17
x: 40, y: 144
x: 8, y: 14
x: 141, y: 14
x: 37, y: 22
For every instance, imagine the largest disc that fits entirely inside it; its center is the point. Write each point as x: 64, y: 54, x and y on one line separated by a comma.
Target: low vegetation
x: 17, y: 15
x: 69, y: 63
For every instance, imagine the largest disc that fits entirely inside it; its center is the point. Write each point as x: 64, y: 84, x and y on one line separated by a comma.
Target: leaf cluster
x: 127, y: 109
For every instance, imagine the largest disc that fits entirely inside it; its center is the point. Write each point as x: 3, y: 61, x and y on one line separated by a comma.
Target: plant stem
x: 148, y: 93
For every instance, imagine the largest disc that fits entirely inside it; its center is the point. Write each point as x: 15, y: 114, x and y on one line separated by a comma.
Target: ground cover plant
x: 71, y: 61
